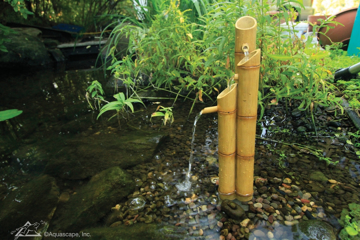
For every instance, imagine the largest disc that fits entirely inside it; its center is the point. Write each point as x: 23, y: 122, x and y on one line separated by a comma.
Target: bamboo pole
x: 245, y: 29
x: 248, y: 83
x: 226, y: 108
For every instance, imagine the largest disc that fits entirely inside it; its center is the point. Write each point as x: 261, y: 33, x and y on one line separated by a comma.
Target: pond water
x: 71, y: 173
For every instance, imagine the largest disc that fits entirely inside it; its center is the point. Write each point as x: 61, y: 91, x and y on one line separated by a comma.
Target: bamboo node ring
x: 250, y: 67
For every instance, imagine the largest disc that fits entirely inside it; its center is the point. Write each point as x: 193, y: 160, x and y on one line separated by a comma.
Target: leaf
x: 351, y: 231
x: 200, y: 95
x: 280, y: 57
x: 157, y: 114
x: 7, y: 114
x: 190, y: 35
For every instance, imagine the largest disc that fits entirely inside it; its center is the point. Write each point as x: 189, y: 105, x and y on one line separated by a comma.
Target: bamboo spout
x: 226, y: 109
x: 245, y: 29
x: 209, y: 110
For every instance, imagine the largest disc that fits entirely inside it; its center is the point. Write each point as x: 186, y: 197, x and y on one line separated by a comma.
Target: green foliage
x: 351, y: 90
x: 180, y: 53
x: 350, y: 221
x: 166, y: 113
x: 292, y: 70
x: 18, y: 6
x: 119, y: 105
x: 95, y: 92
x: 7, y: 114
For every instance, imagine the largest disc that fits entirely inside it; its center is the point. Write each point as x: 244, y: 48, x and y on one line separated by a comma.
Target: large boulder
x: 313, y: 230
x: 33, y: 203
x: 93, y: 201
x: 83, y: 157
x: 24, y: 50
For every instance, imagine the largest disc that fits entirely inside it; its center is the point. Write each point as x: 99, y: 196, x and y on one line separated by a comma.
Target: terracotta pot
x: 315, y: 20
x: 340, y: 33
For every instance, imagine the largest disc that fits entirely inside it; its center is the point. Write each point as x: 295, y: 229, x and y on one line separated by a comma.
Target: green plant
x: 350, y: 221
x: 95, y: 92
x: 119, y: 105
x: 281, y: 159
x: 11, y: 113
x: 18, y: 6
x: 166, y: 113
x: 180, y: 53
x: 351, y: 90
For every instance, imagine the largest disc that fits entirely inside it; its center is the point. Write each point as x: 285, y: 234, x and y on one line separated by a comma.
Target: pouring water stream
x: 186, y: 184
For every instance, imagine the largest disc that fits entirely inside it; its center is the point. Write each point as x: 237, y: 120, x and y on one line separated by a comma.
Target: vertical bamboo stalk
x: 227, y: 141
x: 245, y: 28
x: 248, y: 83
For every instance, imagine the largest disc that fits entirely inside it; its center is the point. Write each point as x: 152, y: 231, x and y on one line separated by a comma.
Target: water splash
x: 186, y: 185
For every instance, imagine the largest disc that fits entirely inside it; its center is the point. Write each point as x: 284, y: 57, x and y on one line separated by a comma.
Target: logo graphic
x: 28, y: 230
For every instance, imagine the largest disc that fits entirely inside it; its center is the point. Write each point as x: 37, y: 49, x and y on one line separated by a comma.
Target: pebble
x: 270, y: 235
x: 287, y: 180
x: 291, y: 223
x: 245, y: 222
x: 258, y: 205
x: 289, y: 217
x: 259, y: 233
x: 306, y: 196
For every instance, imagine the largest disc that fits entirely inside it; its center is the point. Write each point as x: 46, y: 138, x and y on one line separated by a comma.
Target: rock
x: 24, y: 50
x: 318, y: 176
x: 35, y: 202
x: 51, y: 43
x: 82, y: 158
x: 211, y: 160
x: 313, y: 230
x: 232, y: 209
x: 315, y: 187
x: 296, y: 113
x: 301, y: 129
x: 93, y: 201
x: 287, y: 181
x: 259, y: 233
x: 136, y: 231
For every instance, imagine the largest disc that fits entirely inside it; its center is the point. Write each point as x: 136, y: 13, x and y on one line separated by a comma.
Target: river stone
x: 138, y: 231
x: 296, y: 113
x: 34, y: 202
x: 232, y: 209
x: 93, y: 201
x: 313, y: 230
x: 315, y: 187
x: 24, y: 50
x: 84, y: 157
x: 318, y: 176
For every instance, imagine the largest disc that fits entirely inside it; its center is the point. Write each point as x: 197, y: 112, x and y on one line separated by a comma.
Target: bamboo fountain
x: 237, y: 115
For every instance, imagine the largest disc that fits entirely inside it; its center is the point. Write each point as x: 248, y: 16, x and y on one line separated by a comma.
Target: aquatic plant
x: 350, y: 221
x: 8, y: 114
x: 166, y: 113
x: 95, y: 92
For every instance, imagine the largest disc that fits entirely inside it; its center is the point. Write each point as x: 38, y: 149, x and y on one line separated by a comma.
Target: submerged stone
x: 84, y: 157
x: 313, y: 230
x: 35, y: 202
x: 318, y: 176
x: 232, y: 209
x: 93, y: 201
